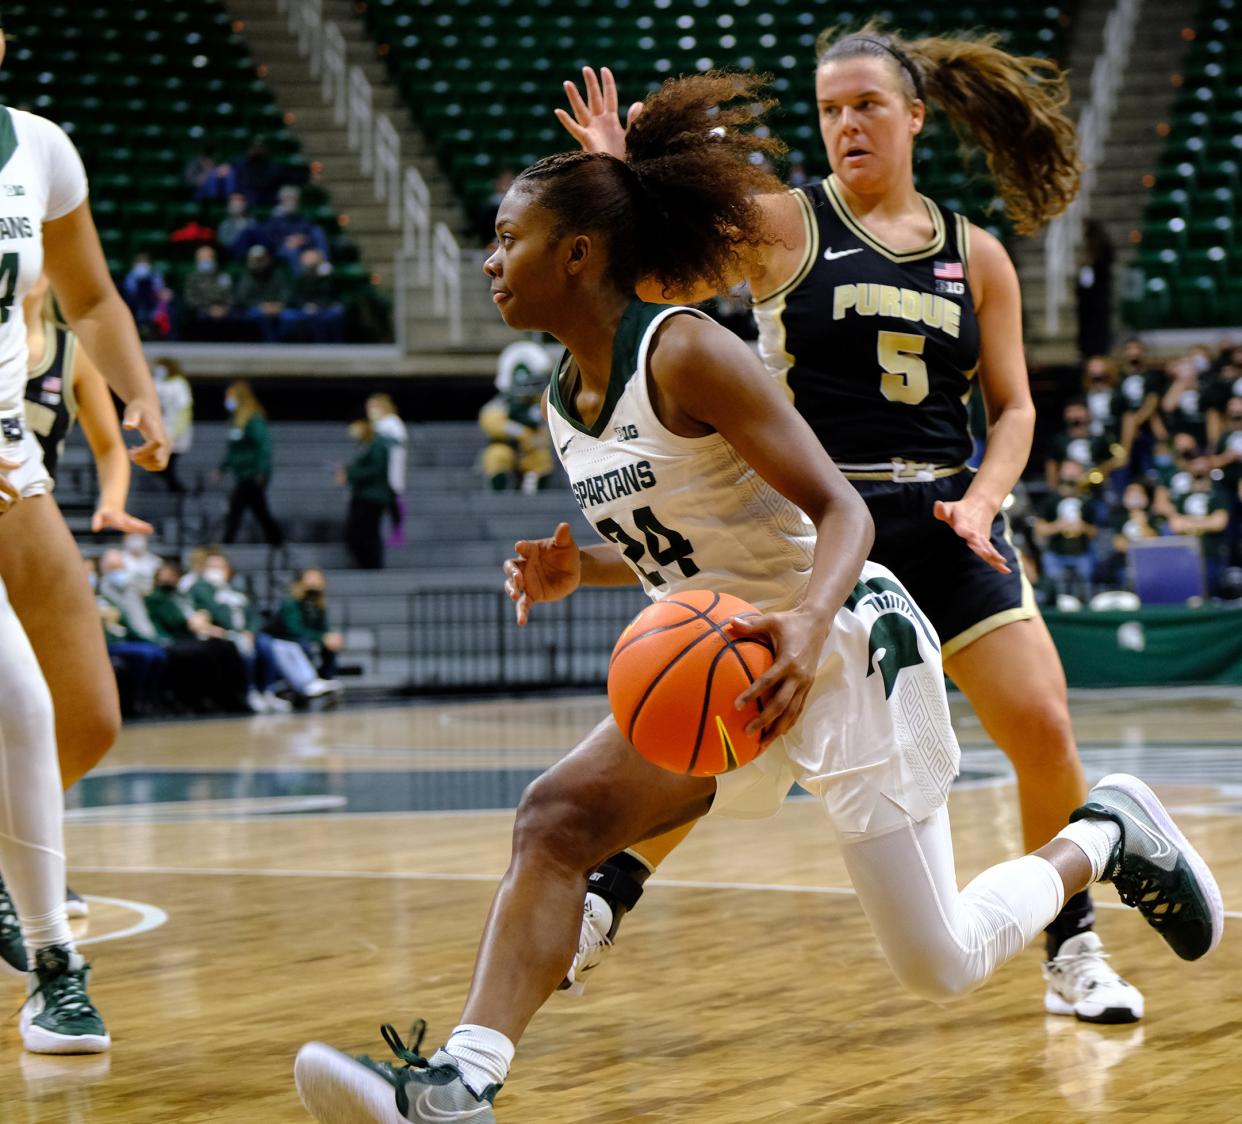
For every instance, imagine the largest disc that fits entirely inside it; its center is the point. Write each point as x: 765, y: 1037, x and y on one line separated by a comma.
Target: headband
x: 902, y: 58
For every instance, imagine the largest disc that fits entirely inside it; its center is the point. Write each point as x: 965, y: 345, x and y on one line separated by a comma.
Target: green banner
x: 1156, y: 646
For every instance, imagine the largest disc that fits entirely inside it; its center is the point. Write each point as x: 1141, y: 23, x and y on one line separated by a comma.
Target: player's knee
x: 558, y: 822
x: 85, y: 736
x: 936, y: 979
x: 1044, y: 736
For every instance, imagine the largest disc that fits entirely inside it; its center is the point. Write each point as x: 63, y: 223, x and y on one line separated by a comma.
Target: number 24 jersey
x: 685, y: 512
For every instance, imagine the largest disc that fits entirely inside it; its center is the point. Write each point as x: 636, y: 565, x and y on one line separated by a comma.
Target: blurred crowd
x: 194, y: 642
x: 1146, y: 449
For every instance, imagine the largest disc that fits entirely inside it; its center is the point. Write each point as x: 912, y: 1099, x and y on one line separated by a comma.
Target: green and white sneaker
x: 58, y: 1017
x: 1154, y: 867
x: 13, y: 960
x: 340, y: 1089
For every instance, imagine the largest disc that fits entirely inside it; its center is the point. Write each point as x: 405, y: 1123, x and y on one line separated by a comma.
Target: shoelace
x: 1150, y: 895
x: 67, y: 991
x: 1089, y: 966
x: 408, y: 1054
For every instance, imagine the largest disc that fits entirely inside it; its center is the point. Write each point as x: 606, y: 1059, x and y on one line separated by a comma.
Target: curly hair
x: 1011, y: 106
x: 681, y: 207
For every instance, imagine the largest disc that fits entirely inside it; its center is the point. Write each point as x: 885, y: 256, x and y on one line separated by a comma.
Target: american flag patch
x: 948, y: 271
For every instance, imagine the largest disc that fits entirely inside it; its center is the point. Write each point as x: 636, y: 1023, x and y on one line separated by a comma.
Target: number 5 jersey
x: 685, y: 512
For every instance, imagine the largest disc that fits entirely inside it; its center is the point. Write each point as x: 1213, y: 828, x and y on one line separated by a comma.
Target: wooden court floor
x: 258, y: 883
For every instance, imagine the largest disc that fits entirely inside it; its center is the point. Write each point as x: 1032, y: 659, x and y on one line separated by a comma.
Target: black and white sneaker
x: 1154, y: 867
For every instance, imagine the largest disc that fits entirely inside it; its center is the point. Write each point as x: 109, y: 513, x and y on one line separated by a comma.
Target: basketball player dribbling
x: 880, y: 310
x: 47, y: 224
x: 696, y: 471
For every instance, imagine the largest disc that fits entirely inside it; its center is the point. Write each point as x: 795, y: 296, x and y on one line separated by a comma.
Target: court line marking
x: 428, y: 876
x: 149, y: 917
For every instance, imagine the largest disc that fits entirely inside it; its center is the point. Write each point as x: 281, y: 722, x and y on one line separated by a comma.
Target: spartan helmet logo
x: 892, y: 645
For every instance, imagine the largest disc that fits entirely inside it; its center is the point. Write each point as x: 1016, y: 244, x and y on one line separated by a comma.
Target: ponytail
x: 1012, y: 107
x: 681, y: 207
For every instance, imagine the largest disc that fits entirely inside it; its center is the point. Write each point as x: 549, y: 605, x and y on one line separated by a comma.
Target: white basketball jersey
x: 685, y: 512
x: 41, y: 178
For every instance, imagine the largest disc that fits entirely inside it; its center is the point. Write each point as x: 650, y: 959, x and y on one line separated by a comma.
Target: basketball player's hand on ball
x: 596, y: 123
x: 544, y: 570
x: 9, y: 495
x: 798, y: 638
x: 973, y: 522
x: 145, y: 418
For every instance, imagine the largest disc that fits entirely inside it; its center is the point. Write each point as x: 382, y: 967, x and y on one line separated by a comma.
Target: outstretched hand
x: 596, y: 122
x: 973, y: 522
x: 544, y: 570
x: 116, y: 519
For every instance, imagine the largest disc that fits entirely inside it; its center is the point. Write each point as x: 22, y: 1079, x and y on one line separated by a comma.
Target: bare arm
x: 103, y: 435
x: 75, y: 264
x: 1006, y: 393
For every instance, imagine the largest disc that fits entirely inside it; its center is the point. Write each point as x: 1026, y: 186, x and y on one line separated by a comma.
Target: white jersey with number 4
x: 41, y: 179
x: 685, y: 512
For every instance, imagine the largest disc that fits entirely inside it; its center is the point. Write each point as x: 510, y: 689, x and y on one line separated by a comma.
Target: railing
x: 1065, y: 231
x: 446, y: 279
x: 430, y: 257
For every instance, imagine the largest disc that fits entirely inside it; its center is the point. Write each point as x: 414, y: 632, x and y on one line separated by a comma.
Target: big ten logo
x: 626, y: 432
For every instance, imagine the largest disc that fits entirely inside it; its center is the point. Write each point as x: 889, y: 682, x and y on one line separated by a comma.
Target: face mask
x: 159, y: 372
x: 1200, y: 363
x: 237, y: 208
x: 315, y: 595
x: 135, y: 545
x: 117, y: 580
x: 1164, y: 459
x: 230, y: 403
x: 167, y: 587
x: 216, y: 576
x: 141, y: 271
x: 205, y: 265
x: 1135, y: 503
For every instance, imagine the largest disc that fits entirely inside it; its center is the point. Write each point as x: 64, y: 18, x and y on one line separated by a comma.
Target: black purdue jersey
x: 878, y: 348
x: 51, y: 407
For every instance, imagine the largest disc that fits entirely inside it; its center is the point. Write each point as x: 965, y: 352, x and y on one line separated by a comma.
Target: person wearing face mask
x: 1140, y: 386
x: 1184, y: 404
x: 248, y: 459
x: 140, y: 561
x: 370, y: 495
x: 1203, y: 511
x: 387, y: 423
x: 1099, y: 388
x: 237, y: 230
x: 207, y: 300
x: 1132, y: 521
x: 1066, y: 530
x: 1097, y: 453
x: 149, y: 298
x: 289, y: 231
x: 303, y: 618
x: 177, y: 402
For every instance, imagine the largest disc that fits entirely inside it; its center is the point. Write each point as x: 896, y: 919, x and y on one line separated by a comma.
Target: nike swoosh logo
x: 829, y: 255
x: 566, y: 445
x: 429, y: 1112
x: 1163, y: 850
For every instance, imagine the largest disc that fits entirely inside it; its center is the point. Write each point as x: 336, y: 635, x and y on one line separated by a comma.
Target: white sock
x: 32, y: 805
x: 483, y: 1055
x: 1097, y: 839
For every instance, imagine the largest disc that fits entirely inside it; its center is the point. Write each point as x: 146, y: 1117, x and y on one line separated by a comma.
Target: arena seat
x: 482, y: 78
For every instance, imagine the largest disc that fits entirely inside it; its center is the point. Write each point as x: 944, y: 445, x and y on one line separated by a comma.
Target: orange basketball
x: 674, y: 677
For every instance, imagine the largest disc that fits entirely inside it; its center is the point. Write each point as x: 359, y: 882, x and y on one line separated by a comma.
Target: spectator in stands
x: 1099, y: 387
x: 194, y: 572
x: 387, y: 423
x: 1203, y: 511
x: 248, y: 459
x: 207, y: 179
x: 1132, y: 521
x: 1098, y: 453
x: 256, y: 175
x: 303, y: 618
x: 263, y: 293
x: 208, y: 671
x: 237, y: 231
x: 177, y: 404
x: 119, y: 588
x: 1170, y: 477
x: 1139, y: 390
x: 149, y: 298
x: 369, y: 496
x: 141, y: 664
x: 314, y: 311
x: 1094, y: 290
x: 513, y: 420
x: 1066, y: 530
x: 1228, y: 461
x: 140, y: 562
x: 289, y: 231
x: 207, y: 300
x: 1182, y: 404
